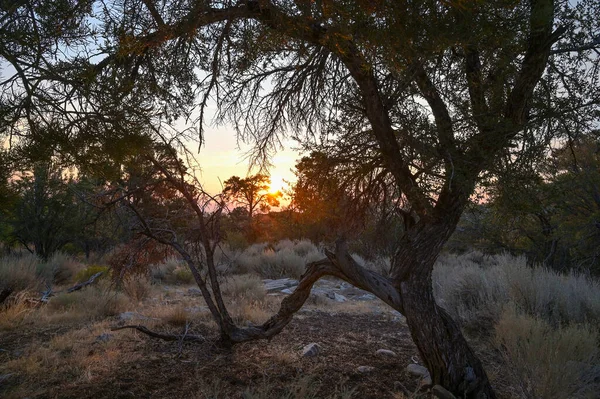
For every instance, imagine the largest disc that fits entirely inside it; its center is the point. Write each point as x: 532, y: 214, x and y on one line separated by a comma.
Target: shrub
x: 282, y: 260
x: 476, y: 294
x: 549, y: 362
x: 246, y: 286
x: 18, y: 273
x: 92, y: 302
x: 61, y: 268
x: 182, y: 275
x: 163, y: 271
x: 138, y: 288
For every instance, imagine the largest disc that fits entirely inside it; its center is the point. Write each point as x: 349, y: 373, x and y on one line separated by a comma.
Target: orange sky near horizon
x: 221, y: 157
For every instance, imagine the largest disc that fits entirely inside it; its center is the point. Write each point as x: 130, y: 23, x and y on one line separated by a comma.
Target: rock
x: 336, y: 297
x: 366, y: 297
x: 385, y: 352
x: 104, y: 337
x: 287, y: 291
x: 442, y: 393
x: 278, y: 285
x: 194, y: 292
x: 365, y: 369
x: 311, y: 350
x: 417, y: 370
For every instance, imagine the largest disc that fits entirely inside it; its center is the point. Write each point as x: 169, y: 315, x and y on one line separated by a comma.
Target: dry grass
x: 137, y: 288
x: 547, y: 362
x: 477, y: 293
x: 245, y: 286
x: 284, y: 259
x: 19, y: 273
x: 78, y: 356
x: 88, y: 304
x: 62, y: 268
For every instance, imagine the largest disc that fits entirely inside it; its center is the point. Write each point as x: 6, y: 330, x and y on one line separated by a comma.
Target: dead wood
x: 79, y: 286
x: 164, y: 337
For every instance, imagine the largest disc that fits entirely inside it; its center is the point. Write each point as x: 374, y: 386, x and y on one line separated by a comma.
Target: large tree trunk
x: 443, y: 348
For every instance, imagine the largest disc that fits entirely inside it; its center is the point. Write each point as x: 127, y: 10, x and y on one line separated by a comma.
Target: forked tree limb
x: 339, y: 264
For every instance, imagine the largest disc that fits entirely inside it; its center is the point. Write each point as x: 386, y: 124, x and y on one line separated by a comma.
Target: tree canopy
x: 433, y: 96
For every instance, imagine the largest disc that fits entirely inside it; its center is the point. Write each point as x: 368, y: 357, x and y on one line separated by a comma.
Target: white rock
x: 336, y: 297
x: 386, y: 352
x: 365, y: 369
x: 311, y: 350
x: 278, y: 285
x: 287, y: 291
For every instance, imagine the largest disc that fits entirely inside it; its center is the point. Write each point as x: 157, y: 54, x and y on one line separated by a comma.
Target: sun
x: 276, y: 185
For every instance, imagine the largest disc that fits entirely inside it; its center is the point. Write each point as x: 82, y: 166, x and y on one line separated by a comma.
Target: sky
x: 221, y: 157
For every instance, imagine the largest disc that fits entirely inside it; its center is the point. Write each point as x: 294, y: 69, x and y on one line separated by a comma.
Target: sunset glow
x: 277, y: 184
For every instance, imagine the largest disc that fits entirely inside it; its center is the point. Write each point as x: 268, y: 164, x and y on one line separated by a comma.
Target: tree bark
x: 441, y: 344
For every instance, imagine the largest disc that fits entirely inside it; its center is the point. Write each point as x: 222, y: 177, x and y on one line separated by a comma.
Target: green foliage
x: 183, y: 275
x: 552, y: 216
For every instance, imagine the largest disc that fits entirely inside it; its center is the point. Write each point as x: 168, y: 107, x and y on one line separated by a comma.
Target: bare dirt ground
x: 151, y: 368
x: 85, y: 359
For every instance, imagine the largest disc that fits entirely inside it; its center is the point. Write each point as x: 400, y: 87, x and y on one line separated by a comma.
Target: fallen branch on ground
x: 79, y: 286
x: 164, y: 337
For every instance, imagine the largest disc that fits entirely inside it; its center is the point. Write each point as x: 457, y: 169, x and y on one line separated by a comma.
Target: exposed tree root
x: 164, y: 337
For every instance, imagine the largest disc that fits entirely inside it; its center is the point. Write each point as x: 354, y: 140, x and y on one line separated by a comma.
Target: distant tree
x: 252, y: 193
x: 45, y: 216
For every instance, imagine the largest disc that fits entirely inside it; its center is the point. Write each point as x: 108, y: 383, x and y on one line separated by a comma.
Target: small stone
x: 442, y: 393
x: 417, y: 370
x: 386, y: 352
x: 365, y: 369
x: 336, y: 297
x: 194, y: 291
x: 311, y: 350
x: 287, y: 291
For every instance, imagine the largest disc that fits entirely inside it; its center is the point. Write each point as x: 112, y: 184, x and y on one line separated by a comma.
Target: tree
x: 433, y: 93
x: 49, y: 211
x: 251, y: 192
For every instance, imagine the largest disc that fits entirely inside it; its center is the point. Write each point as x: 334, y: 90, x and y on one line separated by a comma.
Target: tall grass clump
x: 284, y: 259
x: 89, y: 303
x: 18, y: 273
x: 477, y: 293
x: 545, y: 324
x: 60, y: 268
x: 249, y: 286
x: 547, y: 362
